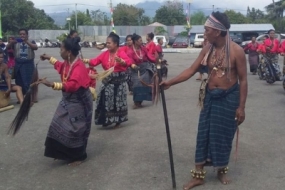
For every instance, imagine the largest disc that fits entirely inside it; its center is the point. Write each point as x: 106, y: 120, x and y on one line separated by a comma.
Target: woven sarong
x: 140, y: 91
x: 272, y: 68
x: 253, y: 59
x: 112, y: 104
x: 24, y: 70
x: 217, y: 127
x: 69, y: 130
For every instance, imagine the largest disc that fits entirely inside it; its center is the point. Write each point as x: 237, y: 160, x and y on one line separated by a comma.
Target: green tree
x: 129, y: 15
x: 82, y: 19
x: 170, y: 14
x: 275, y: 12
x: 100, y: 18
x: 22, y: 14
x: 198, y: 18
x: 236, y: 17
x: 159, y: 30
x: 256, y: 16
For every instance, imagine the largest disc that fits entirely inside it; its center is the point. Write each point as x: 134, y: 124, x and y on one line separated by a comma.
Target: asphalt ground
x: 136, y: 155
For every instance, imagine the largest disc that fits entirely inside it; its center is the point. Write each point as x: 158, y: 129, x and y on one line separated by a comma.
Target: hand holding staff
x: 165, y: 85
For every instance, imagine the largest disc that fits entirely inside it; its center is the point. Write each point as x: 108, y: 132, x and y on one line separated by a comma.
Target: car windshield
x: 180, y: 40
x: 122, y: 39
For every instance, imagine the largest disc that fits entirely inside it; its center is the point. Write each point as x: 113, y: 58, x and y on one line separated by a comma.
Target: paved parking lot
x: 136, y: 155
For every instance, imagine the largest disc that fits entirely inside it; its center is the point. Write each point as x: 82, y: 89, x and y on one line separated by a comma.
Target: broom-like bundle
x: 25, y: 108
x: 102, y: 75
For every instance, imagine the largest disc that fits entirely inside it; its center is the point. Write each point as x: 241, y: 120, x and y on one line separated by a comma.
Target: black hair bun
x: 76, y: 39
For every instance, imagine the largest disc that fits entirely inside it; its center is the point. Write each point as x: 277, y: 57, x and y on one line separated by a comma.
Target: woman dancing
x: 142, y: 58
x: 272, y: 69
x: 126, y: 48
x: 69, y: 130
x: 112, y: 104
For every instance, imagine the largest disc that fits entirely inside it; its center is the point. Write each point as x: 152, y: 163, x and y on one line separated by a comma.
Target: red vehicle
x: 180, y: 42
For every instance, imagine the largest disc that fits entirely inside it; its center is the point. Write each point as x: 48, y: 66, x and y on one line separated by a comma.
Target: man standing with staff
x: 222, y: 97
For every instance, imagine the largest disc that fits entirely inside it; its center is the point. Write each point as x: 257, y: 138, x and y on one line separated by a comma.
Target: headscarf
x: 212, y: 22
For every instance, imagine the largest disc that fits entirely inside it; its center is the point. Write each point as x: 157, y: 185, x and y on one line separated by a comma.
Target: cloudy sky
x: 63, y: 5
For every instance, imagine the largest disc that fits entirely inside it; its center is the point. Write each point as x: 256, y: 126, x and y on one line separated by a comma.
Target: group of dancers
x: 133, y: 64
x: 266, y: 66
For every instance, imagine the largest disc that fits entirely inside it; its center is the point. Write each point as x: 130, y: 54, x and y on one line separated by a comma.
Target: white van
x: 155, y: 40
x: 198, y: 41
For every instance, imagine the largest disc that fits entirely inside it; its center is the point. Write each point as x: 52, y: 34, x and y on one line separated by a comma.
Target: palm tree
x: 275, y: 12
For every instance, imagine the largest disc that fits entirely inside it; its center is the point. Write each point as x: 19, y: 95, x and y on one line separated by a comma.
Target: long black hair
x: 150, y: 35
x: 129, y: 36
x: 115, y: 38
x: 72, y: 44
x: 135, y: 37
x: 71, y: 33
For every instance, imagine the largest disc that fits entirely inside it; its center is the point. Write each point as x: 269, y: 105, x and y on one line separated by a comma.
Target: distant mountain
x: 59, y: 18
x: 150, y: 9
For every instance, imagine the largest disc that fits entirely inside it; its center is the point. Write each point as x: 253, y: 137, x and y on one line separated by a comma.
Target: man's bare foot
x: 222, y: 175
x: 76, y: 163
x: 193, y: 183
x: 223, y: 178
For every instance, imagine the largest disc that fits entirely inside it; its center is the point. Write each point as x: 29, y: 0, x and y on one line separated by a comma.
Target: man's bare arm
x: 242, y: 75
x: 189, y: 72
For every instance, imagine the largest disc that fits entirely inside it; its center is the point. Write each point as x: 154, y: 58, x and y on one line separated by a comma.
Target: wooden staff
x: 158, y: 66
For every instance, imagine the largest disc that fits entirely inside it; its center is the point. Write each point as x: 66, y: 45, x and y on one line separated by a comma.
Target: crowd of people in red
x: 267, y: 67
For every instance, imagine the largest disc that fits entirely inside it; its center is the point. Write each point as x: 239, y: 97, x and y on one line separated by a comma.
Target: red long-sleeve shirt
x: 77, y: 78
x: 272, y: 44
x: 104, y: 60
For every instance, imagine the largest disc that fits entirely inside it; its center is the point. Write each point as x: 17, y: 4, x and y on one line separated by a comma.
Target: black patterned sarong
x: 140, y: 91
x: 70, y: 128
x: 112, y: 104
x: 217, y: 127
x: 272, y: 68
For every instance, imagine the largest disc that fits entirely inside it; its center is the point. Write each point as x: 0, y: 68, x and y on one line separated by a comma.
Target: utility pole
x: 112, y: 18
x: 213, y: 8
x: 75, y: 16
x: 68, y: 20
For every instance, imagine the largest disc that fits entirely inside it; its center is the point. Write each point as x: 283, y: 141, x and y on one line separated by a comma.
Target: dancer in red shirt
x: 272, y: 69
x: 253, y: 56
x: 112, y: 104
x: 69, y: 131
x: 126, y: 49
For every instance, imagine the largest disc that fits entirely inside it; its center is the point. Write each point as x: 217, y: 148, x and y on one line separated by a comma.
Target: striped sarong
x: 24, y: 70
x: 217, y: 127
x: 140, y: 91
x: 69, y: 130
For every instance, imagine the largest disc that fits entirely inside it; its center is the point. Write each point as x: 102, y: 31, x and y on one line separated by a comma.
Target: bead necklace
x: 65, y: 77
x: 111, y: 60
x: 218, y: 62
x: 140, y: 54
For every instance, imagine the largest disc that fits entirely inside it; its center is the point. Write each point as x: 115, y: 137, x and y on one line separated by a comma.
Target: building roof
x: 156, y: 24
x: 234, y: 28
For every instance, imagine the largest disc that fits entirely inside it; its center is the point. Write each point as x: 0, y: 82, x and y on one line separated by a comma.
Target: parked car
x: 180, y: 42
x: 236, y: 39
x: 198, y: 41
x: 171, y: 40
x: 155, y: 40
x: 122, y: 41
x: 259, y: 39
